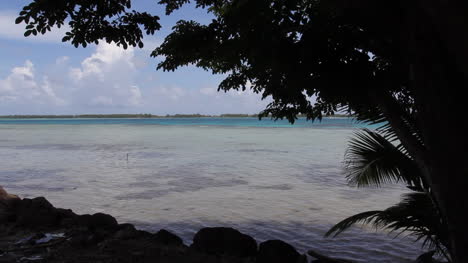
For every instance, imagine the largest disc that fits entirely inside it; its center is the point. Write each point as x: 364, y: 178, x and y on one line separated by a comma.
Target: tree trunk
x: 439, y: 80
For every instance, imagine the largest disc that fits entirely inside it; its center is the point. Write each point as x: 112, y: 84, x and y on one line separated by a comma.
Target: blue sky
x: 42, y: 75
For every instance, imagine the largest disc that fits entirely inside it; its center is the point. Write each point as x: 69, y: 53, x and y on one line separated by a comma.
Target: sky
x: 42, y: 75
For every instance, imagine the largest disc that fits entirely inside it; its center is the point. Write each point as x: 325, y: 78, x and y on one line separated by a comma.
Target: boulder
x: 66, y: 217
x: 6, y: 203
x: 277, y: 251
x: 224, y: 241
x: 126, y: 231
x: 98, y: 221
x: 4, y: 196
x: 37, y: 212
x: 167, y: 238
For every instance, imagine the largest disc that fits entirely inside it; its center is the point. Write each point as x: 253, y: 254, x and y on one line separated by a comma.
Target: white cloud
x: 109, y: 81
x: 22, y: 87
x: 106, y: 59
x: 49, y: 91
x: 106, y: 78
x: 10, y: 30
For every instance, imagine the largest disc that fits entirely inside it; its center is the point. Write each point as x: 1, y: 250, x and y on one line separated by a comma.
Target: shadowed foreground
x: 33, y: 230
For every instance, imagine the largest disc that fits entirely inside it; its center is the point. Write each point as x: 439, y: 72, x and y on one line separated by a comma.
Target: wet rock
x: 5, y: 196
x: 277, y: 251
x: 167, y: 238
x: 7, y: 258
x: 126, y: 231
x: 80, y: 239
x: 33, y: 240
x: 65, y: 213
x: 98, y: 221
x: 224, y: 241
x: 6, y: 204
x: 37, y: 212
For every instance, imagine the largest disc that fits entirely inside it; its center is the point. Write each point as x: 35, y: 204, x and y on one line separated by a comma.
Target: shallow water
x: 269, y: 180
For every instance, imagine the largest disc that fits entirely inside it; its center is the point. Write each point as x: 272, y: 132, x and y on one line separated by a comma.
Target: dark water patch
x: 28, y: 174
x: 73, y: 147
x: 148, y: 194
x: 54, y: 146
x: 112, y: 147
x: 354, y: 193
x: 274, y: 187
x: 150, y: 155
x: 195, y: 183
x: 194, y: 170
x: 42, y: 188
x: 319, y: 174
x: 261, y: 151
x: 144, y: 184
x: 183, y: 185
x: 315, y: 208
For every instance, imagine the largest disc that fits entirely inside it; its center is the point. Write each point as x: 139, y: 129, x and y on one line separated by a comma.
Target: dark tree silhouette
x: 373, y: 159
x: 394, y: 61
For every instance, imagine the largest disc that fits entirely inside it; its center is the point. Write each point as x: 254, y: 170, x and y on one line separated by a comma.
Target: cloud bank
x: 113, y: 80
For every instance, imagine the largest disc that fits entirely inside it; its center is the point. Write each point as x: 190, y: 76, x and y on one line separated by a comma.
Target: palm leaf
x: 415, y: 214
x: 365, y: 218
x: 372, y: 160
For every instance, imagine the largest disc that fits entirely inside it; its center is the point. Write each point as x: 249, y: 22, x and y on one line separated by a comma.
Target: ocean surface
x: 271, y: 180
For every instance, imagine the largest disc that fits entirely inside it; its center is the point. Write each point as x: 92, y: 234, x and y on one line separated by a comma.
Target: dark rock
x: 37, y: 212
x: 126, y: 226
x: 35, y: 237
x: 7, y: 258
x: 103, y: 220
x: 80, y: 239
x: 167, y: 238
x: 126, y: 231
x: 65, y: 213
x: 7, y: 202
x: 227, y: 241
x: 277, y: 251
x: 98, y: 221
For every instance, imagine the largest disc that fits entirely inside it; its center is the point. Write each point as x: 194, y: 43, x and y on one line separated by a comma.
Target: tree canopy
x: 298, y: 52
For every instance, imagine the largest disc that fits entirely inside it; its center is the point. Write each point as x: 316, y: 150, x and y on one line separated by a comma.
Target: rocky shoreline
x: 33, y: 230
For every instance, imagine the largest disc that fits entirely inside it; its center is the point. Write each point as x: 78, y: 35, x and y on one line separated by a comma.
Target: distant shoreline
x: 140, y: 116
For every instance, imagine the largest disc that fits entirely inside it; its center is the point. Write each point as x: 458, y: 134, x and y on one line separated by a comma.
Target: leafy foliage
x: 414, y: 215
x: 373, y: 160
x: 293, y: 51
x: 310, y: 56
x: 90, y: 21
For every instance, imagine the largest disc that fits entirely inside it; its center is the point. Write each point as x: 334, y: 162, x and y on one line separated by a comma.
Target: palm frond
x: 372, y: 160
x: 364, y: 218
x: 415, y: 215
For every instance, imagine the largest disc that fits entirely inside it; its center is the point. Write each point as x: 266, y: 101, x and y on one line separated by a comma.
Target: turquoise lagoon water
x: 237, y: 122
x: 271, y: 180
